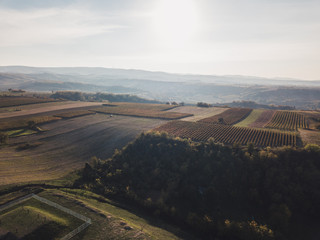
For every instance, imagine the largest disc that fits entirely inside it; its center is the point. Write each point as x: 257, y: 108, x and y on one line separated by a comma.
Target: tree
x: 3, y: 138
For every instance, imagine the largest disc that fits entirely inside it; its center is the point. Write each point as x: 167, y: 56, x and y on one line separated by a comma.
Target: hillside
x: 165, y: 86
x: 217, y: 191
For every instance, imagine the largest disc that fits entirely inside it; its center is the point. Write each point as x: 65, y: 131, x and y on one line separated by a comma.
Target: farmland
x: 67, y: 145
x: 24, y: 122
x: 18, y: 101
x: 252, y: 117
x: 198, y: 112
x: 142, y: 110
x: 263, y: 119
x: 227, y: 134
x: 229, y: 117
x: 287, y: 120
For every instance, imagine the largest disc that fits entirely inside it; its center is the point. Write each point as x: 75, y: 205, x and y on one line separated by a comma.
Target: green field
x: 33, y: 219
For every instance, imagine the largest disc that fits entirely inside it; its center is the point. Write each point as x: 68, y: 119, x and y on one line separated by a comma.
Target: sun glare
x: 175, y: 21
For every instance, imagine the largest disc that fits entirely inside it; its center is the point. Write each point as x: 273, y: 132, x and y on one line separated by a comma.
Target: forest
x: 215, y: 191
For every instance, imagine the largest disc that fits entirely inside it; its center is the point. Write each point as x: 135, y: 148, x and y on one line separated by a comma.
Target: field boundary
x: 55, y: 205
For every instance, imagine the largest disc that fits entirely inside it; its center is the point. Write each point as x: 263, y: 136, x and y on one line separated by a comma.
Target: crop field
x: 228, y: 117
x: 73, y: 114
x: 23, y: 122
x: 67, y: 145
x: 142, y: 110
x: 252, y: 117
x: 17, y: 101
x: 198, y: 112
x: 227, y: 134
x: 33, y: 219
x: 42, y: 108
x: 287, y: 120
x: 263, y: 119
x: 145, y: 106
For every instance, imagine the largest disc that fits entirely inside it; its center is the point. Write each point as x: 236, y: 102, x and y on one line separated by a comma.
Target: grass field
x: 253, y: 116
x: 67, y: 145
x: 33, y: 219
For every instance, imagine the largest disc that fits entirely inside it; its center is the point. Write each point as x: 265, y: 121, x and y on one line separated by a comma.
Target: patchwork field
x: 252, y: 118
x: 66, y: 145
x: 264, y: 118
x: 229, y: 117
x: 198, y: 112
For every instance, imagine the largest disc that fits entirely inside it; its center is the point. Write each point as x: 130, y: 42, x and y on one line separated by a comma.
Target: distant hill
x: 162, y: 86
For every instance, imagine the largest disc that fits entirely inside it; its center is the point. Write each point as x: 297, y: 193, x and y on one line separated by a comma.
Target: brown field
x: 313, y: 118
x: 263, y: 119
x: 142, y: 110
x: 198, y: 112
x: 73, y: 114
x: 287, y: 120
x: 310, y: 136
x: 6, y: 124
x: 66, y: 146
x: 230, y: 116
x: 39, y: 109
x: 17, y: 101
x: 227, y: 134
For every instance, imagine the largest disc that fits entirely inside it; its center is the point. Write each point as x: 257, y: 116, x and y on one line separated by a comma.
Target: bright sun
x: 175, y: 21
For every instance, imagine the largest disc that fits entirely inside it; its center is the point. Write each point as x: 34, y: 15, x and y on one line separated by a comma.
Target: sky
x: 266, y: 38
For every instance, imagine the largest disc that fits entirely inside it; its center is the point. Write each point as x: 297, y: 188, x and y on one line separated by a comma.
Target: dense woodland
x: 216, y: 191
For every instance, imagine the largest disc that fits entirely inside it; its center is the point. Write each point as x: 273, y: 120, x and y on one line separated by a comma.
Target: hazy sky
x: 271, y: 38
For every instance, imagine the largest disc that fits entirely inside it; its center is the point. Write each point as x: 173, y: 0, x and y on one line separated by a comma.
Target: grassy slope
x: 253, y: 116
x: 28, y: 216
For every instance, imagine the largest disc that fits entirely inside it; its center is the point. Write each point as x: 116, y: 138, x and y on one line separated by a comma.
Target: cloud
x: 50, y: 25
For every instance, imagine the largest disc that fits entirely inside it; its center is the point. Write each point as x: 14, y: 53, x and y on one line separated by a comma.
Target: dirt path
x: 48, y: 109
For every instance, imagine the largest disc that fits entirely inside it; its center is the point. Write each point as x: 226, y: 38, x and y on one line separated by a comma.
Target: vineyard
x: 227, y: 134
x: 263, y: 119
x: 287, y: 120
x: 228, y: 117
x: 142, y: 110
